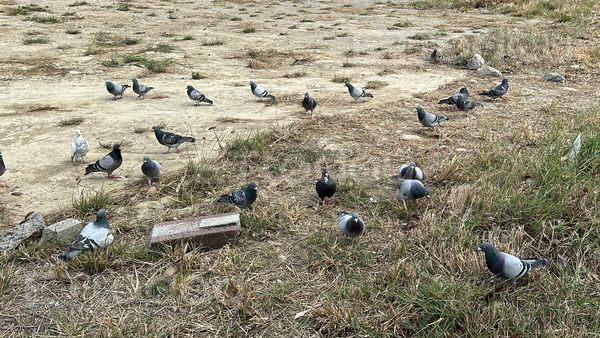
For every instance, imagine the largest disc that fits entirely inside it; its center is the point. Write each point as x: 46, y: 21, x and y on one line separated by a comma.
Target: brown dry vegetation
x: 496, y: 174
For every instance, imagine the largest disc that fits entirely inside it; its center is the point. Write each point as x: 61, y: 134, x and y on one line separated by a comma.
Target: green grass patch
x: 45, y: 19
x: 25, y: 10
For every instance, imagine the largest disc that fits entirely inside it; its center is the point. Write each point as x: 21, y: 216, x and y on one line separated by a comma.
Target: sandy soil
x: 46, y: 84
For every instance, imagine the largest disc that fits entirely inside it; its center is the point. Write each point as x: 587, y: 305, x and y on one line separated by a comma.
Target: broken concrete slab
x: 211, y: 232
x: 63, y: 232
x: 32, y: 225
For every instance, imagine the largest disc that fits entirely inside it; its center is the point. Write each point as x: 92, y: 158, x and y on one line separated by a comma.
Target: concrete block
x: 211, y: 232
x: 30, y: 227
x: 63, y: 232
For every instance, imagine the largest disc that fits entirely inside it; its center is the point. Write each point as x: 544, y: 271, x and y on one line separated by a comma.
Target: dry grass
x: 71, y: 121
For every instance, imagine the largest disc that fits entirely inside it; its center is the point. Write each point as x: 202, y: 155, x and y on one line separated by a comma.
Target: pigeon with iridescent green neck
x: 151, y: 169
x: 507, y: 265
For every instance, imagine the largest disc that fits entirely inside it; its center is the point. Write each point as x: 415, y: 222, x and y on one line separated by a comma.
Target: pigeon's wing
x: 342, y: 220
x: 499, y: 90
x: 259, y: 91
x: 418, y: 173
x: 106, y: 162
x: 73, y: 148
x: 196, y: 95
x: 239, y: 197
x: 513, y: 266
x: 171, y: 138
x: 431, y: 118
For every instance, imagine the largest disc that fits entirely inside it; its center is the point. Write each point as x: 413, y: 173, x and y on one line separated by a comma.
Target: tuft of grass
x: 388, y: 55
x: 253, y: 146
x: 420, y: 36
x: 73, y: 31
x: 213, y: 42
x: 25, y: 10
x: 89, y: 202
x: 161, y: 48
x: 155, y: 66
x: 196, y: 182
x: 341, y: 79
x: 188, y: 37
x: 70, y: 121
x: 104, y: 39
x: 123, y: 6
x: 348, y: 64
x: 249, y: 29
x: 401, y: 24
x: 45, y: 19
x: 375, y: 84
x: 295, y: 75
x: 78, y: 3
x: 386, y: 71
x: 197, y: 76
x: 140, y: 130
x: 35, y: 40
x: 7, y: 275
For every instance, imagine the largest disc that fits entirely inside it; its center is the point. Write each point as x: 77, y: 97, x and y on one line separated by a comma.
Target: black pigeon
x: 2, y: 166
x: 140, y: 89
x: 171, y: 140
x: 325, y: 186
x: 463, y: 92
x: 498, y: 91
x: 308, y: 103
x: 433, y: 58
x: 242, y: 198
x: 196, y: 96
x: 108, y: 164
x: 465, y: 104
x: 116, y: 89
x: 507, y: 265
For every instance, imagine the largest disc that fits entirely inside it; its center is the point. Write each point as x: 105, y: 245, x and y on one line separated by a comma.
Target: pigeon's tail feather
x: 67, y: 256
x: 226, y: 199
x: 270, y: 96
x: 535, y: 262
x: 445, y: 101
x: 188, y: 139
x: 486, y: 93
x: 91, y: 168
x: 208, y: 101
x: 368, y: 95
x: 441, y: 118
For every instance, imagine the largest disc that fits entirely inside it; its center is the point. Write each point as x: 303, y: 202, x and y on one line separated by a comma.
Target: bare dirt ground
x: 290, y: 274
x: 46, y: 84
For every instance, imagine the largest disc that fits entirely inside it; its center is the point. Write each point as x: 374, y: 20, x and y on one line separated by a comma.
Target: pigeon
x: 350, y: 224
x: 433, y: 58
x: 109, y: 163
x: 139, y: 89
x: 428, y: 119
x: 465, y: 104
x: 410, y: 189
x: 325, y: 186
x: 410, y: 171
x: 171, y: 140
x: 2, y: 166
x: 357, y: 92
x: 79, y: 146
x: 308, y: 103
x: 94, y: 235
x: 151, y: 169
x: 259, y: 91
x: 463, y: 92
x: 116, y: 89
x: 508, y: 266
x: 497, y: 91
x: 242, y: 198
x: 196, y: 96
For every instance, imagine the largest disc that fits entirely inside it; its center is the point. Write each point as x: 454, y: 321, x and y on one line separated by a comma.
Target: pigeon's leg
x: 168, y: 149
x: 149, y: 182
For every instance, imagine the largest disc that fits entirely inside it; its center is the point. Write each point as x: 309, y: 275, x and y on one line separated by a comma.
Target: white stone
x: 487, y: 70
x: 63, y: 232
x: 475, y: 62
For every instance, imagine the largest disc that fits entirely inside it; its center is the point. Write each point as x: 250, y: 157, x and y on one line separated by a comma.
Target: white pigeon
x: 94, y: 235
x: 79, y: 146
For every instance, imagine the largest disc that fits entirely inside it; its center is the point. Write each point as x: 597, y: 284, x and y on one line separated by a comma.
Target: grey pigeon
x: 79, y: 146
x: 463, y: 92
x: 508, y: 266
x: 350, y: 224
x: 196, y: 96
x: 433, y: 58
x: 466, y: 104
x: 171, y: 140
x: 357, y: 92
x: 428, y: 119
x: 116, y: 89
x: 410, y: 171
x: 2, y: 166
x: 140, y: 89
x: 308, y: 103
x: 498, y: 91
x: 151, y: 169
x: 108, y: 164
x: 325, y: 186
x: 242, y: 198
x: 94, y: 235
x: 259, y: 91
x: 409, y: 190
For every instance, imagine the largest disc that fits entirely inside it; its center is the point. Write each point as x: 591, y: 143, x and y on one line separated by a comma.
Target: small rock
x: 63, y: 232
x: 487, y: 70
x: 475, y: 62
x: 461, y: 150
x: 410, y: 137
x: 554, y: 77
x: 32, y: 225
